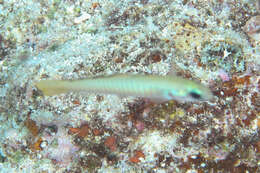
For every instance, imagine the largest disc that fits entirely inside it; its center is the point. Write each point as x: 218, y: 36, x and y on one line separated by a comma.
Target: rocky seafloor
x: 215, y: 42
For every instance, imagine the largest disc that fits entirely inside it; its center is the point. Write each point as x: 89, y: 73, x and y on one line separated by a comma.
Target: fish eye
x: 195, y: 95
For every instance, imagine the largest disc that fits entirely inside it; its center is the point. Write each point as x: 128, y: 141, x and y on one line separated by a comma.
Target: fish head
x: 189, y: 92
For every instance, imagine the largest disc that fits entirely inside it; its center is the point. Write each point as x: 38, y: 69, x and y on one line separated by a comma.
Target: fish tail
x: 52, y: 87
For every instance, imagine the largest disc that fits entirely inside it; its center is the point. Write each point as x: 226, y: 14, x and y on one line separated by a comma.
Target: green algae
x: 223, y: 55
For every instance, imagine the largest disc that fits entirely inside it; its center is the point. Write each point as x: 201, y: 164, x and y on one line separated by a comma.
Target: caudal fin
x: 52, y: 87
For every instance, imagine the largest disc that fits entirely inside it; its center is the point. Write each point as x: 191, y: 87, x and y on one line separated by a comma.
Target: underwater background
x: 215, y: 42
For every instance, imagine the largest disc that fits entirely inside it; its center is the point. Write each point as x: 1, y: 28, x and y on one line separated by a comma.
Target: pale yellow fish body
x: 154, y: 87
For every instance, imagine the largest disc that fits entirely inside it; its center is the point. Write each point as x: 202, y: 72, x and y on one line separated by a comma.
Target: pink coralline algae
x: 252, y: 28
x: 223, y: 75
x: 140, y: 126
x: 65, y: 150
